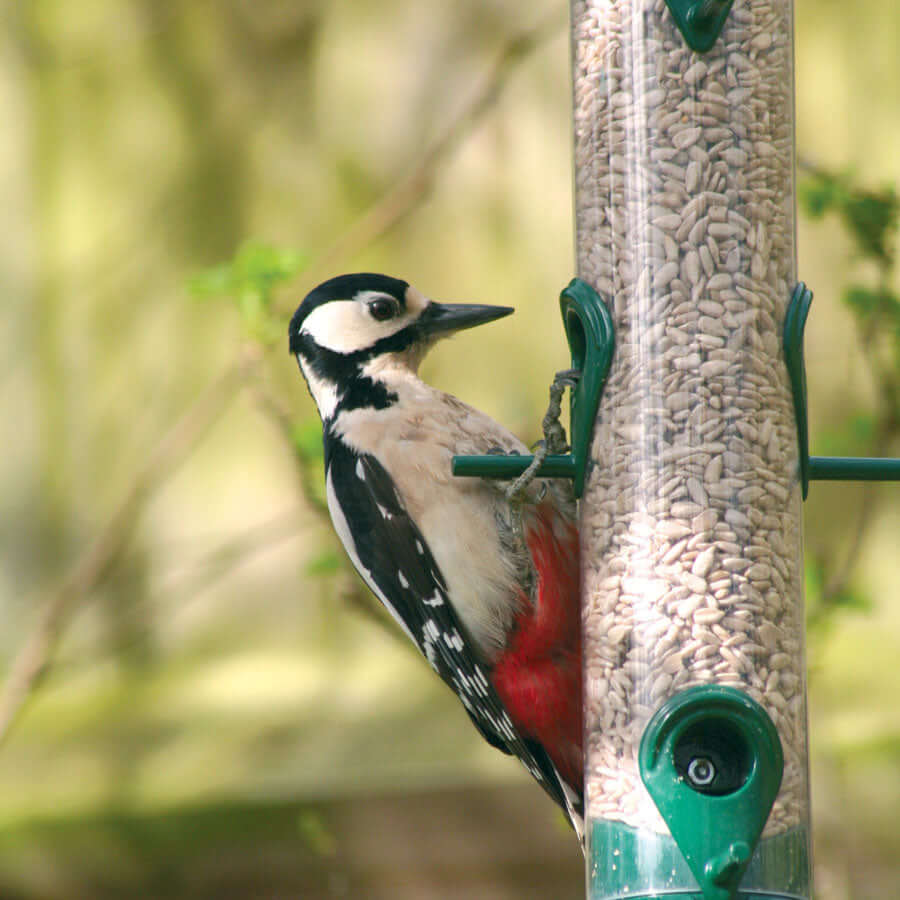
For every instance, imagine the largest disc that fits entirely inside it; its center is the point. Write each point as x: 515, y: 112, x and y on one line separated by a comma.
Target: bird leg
x: 554, y: 434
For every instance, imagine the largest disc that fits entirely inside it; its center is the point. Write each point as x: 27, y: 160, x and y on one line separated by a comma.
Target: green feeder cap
x: 711, y: 760
x: 699, y: 21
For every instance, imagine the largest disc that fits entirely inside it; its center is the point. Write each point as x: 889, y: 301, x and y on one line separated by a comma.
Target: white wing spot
x: 360, y: 471
x: 505, y: 727
x: 420, y: 548
x: 494, y: 722
x: 430, y: 634
x: 436, y: 600
x: 402, y: 577
x: 385, y: 512
x: 452, y: 639
x: 463, y: 682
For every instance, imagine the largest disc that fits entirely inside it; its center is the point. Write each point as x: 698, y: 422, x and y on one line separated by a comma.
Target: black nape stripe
x: 365, y: 393
x: 344, y: 370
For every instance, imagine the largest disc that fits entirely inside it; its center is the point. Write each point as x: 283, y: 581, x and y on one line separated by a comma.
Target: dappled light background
x: 200, y: 698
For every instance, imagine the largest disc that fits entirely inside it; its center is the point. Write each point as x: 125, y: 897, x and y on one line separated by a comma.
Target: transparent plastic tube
x: 691, y: 517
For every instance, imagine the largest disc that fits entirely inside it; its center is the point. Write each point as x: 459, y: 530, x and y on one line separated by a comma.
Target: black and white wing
x: 392, y: 556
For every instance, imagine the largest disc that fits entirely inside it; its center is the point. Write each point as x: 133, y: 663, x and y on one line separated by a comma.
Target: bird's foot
x: 554, y: 440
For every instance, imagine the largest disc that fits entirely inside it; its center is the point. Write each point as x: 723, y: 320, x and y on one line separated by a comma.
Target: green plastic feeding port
x: 589, y: 331
x: 820, y: 468
x: 712, y: 762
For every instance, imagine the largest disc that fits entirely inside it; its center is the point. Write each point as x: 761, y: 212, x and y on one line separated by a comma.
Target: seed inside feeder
x: 684, y: 171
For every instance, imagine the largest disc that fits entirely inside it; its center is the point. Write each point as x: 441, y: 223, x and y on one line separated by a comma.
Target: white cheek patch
x: 345, y: 326
x: 323, y: 392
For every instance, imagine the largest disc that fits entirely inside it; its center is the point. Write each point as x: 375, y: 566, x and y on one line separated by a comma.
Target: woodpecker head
x: 351, y: 330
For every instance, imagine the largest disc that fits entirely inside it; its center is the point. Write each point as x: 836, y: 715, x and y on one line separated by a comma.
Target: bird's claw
x: 567, y: 378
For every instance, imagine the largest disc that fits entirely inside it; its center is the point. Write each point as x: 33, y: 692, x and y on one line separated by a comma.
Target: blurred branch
x: 391, y: 207
x: 89, y: 571
x: 275, y: 410
x: 353, y: 592
x: 206, y: 569
x: 115, y: 266
x: 418, y: 179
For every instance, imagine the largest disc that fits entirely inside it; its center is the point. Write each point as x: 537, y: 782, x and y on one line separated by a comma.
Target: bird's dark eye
x: 383, y: 308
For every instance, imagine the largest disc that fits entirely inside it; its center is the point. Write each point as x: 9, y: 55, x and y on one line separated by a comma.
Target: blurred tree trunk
x: 212, y: 182
x: 51, y: 467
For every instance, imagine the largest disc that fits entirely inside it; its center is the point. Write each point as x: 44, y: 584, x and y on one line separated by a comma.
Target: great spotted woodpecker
x: 485, y: 585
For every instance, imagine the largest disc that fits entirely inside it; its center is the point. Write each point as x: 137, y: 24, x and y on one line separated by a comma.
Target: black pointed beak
x: 445, y: 318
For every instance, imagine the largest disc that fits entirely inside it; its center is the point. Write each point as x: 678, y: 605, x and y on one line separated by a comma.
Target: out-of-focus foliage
x: 220, y: 719
x: 249, y: 280
x: 871, y: 218
x: 852, y: 620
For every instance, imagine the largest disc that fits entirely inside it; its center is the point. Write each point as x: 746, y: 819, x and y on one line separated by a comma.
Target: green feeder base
x: 631, y: 864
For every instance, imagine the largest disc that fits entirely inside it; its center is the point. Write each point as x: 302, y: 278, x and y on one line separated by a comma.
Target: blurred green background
x: 212, y: 705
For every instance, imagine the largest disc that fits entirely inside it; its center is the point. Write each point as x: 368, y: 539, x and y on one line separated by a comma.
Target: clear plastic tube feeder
x: 696, y: 770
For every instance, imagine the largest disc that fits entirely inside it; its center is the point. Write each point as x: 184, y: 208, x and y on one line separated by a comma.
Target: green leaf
x: 326, y: 563
x: 813, y: 578
x: 852, y: 599
x: 211, y: 282
x: 263, y: 267
x: 821, y: 193
x: 871, y: 216
x: 307, y: 440
x: 867, y: 302
x: 315, y: 834
x: 249, y: 280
